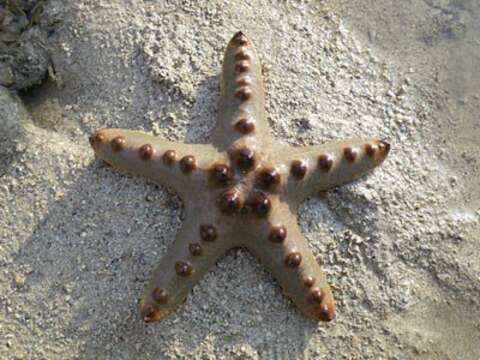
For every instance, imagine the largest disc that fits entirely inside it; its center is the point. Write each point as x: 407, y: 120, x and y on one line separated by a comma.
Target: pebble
x: 19, y: 279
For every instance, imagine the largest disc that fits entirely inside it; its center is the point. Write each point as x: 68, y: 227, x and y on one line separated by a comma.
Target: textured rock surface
x: 25, y: 26
x: 13, y: 124
x: 79, y: 241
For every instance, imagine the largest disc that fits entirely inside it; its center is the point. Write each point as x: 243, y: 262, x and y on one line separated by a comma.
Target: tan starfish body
x: 242, y: 190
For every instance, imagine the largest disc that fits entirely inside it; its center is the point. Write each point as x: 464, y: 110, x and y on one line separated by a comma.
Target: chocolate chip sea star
x: 242, y: 190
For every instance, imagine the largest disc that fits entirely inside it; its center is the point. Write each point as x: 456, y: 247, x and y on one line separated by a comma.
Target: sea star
x: 242, y: 190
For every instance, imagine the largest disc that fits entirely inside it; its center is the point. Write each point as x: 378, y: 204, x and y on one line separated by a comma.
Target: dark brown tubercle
x: 160, y: 295
x: 242, y: 66
x: 325, y: 162
x: 261, y: 205
x: 245, y: 159
x: 309, y: 281
x: 96, y: 138
x: 326, y: 313
x: 268, y: 179
x: 146, y: 152
x: 243, y: 93
x: 371, y: 149
x: 298, y: 169
x: 243, y: 81
x: 195, y: 249
x: 208, y: 233
x: 118, y: 143
x: 148, y: 313
x: 278, y: 234
x: 169, y: 157
x: 316, y: 296
x: 384, y: 147
x: 242, y: 54
x: 350, y: 154
x: 230, y: 202
x: 221, y: 174
x: 245, y: 126
x: 188, y: 164
x: 293, y: 259
x: 183, y: 268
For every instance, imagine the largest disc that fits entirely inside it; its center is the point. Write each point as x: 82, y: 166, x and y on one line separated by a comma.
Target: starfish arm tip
x: 150, y: 313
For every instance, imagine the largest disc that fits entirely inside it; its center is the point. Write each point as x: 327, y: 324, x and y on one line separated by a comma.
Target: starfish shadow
x: 203, y: 112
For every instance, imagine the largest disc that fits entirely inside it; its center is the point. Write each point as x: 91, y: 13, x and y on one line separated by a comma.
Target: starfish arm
x: 173, y: 164
x: 312, y: 169
x: 197, y: 247
x: 241, y: 109
x: 280, y: 246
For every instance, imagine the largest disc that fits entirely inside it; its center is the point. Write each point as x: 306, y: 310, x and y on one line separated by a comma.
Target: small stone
x: 19, y: 280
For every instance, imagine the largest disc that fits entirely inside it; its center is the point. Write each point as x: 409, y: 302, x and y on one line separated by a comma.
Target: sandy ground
x: 78, y: 241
